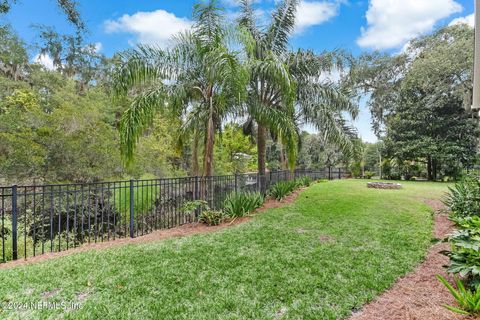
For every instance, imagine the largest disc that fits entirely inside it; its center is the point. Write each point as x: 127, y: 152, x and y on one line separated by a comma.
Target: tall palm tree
x: 286, y: 89
x: 199, y: 77
x: 271, y: 90
x: 321, y: 102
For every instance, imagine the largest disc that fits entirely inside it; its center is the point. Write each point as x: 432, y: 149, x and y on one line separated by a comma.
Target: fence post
x: 329, y: 173
x: 132, y: 202
x: 339, y: 173
x: 14, y: 223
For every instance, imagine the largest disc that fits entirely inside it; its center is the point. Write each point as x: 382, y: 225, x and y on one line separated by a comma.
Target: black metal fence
x: 51, y: 218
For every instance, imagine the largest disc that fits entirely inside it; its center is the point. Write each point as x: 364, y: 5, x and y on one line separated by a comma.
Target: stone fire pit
x: 384, y: 185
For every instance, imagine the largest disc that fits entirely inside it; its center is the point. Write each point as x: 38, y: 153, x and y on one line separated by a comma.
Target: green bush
x: 190, y: 206
x: 468, y: 300
x: 211, y: 217
x: 241, y: 203
x: 304, y: 181
x: 464, y: 201
x: 368, y: 175
x: 282, y: 189
x: 464, y: 198
x: 465, y: 253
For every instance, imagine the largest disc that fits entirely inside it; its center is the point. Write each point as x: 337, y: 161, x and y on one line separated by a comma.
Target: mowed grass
x: 338, y: 246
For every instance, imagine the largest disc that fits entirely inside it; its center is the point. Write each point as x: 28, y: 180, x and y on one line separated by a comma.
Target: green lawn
x: 337, y: 247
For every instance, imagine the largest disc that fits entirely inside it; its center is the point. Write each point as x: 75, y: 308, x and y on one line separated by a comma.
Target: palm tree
x: 321, y: 102
x: 271, y: 90
x: 199, y: 77
x: 286, y: 89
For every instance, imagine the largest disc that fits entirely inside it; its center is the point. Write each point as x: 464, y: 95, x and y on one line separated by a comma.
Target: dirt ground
x: 181, y: 231
x: 418, y: 295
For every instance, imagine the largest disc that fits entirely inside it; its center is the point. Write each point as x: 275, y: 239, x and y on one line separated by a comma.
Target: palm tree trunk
x: 195, y: 166
x: 283, y: 158
x: 262, y: 155
x: 209, y: 144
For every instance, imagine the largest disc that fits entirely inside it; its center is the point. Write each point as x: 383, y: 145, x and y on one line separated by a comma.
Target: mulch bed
x: 418, y: 295
x: 181, y: 231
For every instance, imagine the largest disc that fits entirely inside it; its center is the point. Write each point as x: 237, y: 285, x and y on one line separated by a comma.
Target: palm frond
x: 282, y: 26
x: 137, y: 118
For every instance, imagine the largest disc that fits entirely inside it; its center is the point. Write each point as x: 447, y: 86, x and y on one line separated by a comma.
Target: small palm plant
x: 468, y: 300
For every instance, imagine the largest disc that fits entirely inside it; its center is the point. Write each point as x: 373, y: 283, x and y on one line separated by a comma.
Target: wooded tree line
x: 220, y: 100
x: 420, y: 100
x: 227, y: 98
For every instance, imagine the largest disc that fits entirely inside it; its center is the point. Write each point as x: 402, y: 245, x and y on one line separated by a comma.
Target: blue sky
x: 356, y: 26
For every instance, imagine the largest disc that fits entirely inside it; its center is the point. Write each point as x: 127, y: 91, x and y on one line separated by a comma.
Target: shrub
x: 468, y: 300
x: 368, y: 174
x: 193, y: 205
x: 465, y: 254
x: 242, y: 203
x: 282, y: 189
x: 464, y: 198
x: 304, y: 181
x: 211, y: 217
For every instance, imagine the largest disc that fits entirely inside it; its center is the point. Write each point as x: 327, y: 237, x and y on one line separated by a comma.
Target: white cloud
x: 468, y: 20
x: 391, y: 23
x: 45, y: 60
x: 311, y: 13
x: 155, y: 27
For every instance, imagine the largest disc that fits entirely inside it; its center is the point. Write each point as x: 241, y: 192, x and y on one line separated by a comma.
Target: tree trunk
x: 209, y: 144
x: 429, y: 168
x: 283, y: 158
x: 195, y: 166
x: 434, y: 169
x: 262, y: 155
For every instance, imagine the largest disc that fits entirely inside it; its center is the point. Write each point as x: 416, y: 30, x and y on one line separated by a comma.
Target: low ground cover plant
x: 464, y: 202
x: 304, y: 182
x: 211, y: 217
x: 205, y: 214
x: 239, y: 204
x: 282, y: 189
x: 464, y: 198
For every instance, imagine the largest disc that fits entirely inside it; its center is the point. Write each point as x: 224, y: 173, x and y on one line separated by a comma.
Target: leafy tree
x: 69, y: 8
x: 13, y: 55
x: 429, y: 123
x: 69, y: 142
x: 73, y: 57
x: 235, y: 152
x: 378, y: 76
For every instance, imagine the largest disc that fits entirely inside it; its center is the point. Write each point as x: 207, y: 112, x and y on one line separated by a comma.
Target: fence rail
x: 50, y: 218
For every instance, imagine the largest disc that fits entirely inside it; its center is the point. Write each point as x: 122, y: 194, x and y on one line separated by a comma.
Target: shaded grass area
x: 337, y: 247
